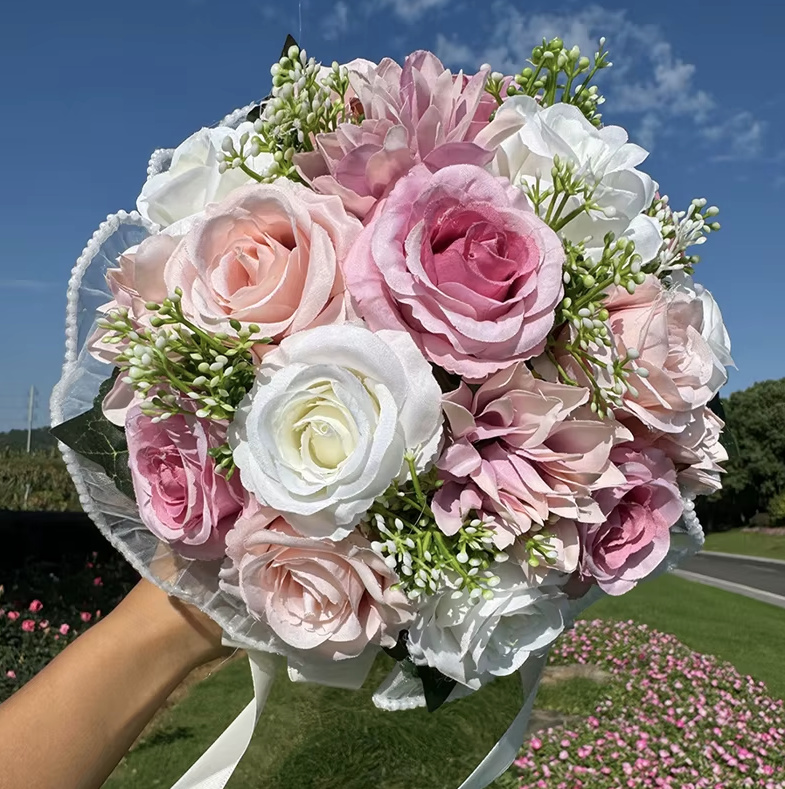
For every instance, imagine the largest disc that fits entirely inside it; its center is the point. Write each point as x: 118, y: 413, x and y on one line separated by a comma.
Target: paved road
x: 756, y: 574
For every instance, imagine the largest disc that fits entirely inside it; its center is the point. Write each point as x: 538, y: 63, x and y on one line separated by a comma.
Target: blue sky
x: 90, y: 88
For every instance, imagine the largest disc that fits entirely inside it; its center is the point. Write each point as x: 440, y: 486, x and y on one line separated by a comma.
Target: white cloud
x: 27, y: 284
x: 648, y: 82
x: 740, y: 133
x: 412, y: 10
x: 337, y: 21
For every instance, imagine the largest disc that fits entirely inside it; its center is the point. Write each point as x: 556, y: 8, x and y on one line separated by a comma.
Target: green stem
x: 416, y: 481
x: 249, y: 172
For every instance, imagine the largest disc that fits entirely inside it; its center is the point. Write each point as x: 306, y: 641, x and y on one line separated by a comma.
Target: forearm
x: 70, y: 726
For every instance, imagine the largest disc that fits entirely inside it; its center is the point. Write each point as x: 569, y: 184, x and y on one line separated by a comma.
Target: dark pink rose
x: 181, y: 497
x: 418, y: 113
x: 36, y: 606
x: 28, y: 625
x: 331, y: 597
x: 459, y: 260
x: 635, y: 535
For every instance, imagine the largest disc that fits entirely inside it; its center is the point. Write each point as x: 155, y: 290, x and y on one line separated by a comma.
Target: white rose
x: 193, y: 180
x: 527, y: 137
x: 713, y: 327
x: 325, y: 428
x: 474, y: 641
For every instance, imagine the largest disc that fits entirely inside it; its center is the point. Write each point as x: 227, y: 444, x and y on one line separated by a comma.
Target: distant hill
x: 17, y: 439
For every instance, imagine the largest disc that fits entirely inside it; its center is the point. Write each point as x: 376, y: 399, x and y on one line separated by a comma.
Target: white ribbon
x: 216, y: 765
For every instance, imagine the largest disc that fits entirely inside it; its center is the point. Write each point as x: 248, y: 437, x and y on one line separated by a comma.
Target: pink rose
x: 28, y: 625
x: 635, y: 536
x: 85, y: 616
x: 35, y: 606
x: 138, y: 280
x: 418, y: 113
x: 11, y: 674
x: 459, y: 261
x: 63, y: 630
x: 13, y: 615
x: 522, y: 451
x: 268, y: 254
x: 665, y: 328
x: 334, y: 598
x: 181, y: 497
x: 43, y: 624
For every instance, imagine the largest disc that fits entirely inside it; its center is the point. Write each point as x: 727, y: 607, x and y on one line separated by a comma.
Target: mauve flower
x: 332, y: 598
x: 43, y: 624
x: 85, y: 616
x: 520, y: 454
x: 635, y: 535
x: 460, y: 261
x: 418, y: 113
x: 269, y: 255
x: 64, y: 630
x: 28, y: 625
x: 181, y: 496
x: 697, y: 451
x: 97, y: 581
x: 665, y: 328
x: 13, y: 615
x: 35, y: 606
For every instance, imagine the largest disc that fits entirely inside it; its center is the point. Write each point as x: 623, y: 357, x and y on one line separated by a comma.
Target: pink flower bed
x: 673, y: 717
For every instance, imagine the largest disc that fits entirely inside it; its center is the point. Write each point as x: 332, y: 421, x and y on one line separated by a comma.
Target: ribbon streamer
x: 215, y: 766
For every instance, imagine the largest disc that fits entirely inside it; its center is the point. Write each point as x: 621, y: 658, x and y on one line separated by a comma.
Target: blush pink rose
x: 635, y: 535
x: 138, y: 279
x: 330, y: 598
x: 35, y: 606
x: 523, y: 452
x: 420, y: 113
x: 268, y: 254
x: 459, y: 260
x: 181, y: 497
x: 665, y: 328
x: 13, y: 615
x: 28, y: 625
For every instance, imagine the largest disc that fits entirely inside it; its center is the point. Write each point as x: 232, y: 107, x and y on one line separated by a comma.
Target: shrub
x: 673, y: 718
x: 43, y: 607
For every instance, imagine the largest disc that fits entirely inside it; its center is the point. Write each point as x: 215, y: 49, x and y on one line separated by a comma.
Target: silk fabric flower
x: 458, y: 259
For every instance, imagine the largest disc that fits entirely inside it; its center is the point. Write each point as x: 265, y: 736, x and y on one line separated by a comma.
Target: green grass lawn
x: 319, y: 738
x: 771, y: 546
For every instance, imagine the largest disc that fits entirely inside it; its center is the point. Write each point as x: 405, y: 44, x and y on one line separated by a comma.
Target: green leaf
x: 94, y: 437
x: 727, y: 439
x: 255, y: 112
x: 436, y: 687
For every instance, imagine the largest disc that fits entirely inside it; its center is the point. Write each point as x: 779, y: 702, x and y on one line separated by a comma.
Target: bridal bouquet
x: 399, y: 358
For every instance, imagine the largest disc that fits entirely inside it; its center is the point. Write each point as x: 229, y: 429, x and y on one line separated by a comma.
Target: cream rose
x: 474, y: 641
x: 326, y: 426
x: 527, y: 137
x: 193, y: 179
